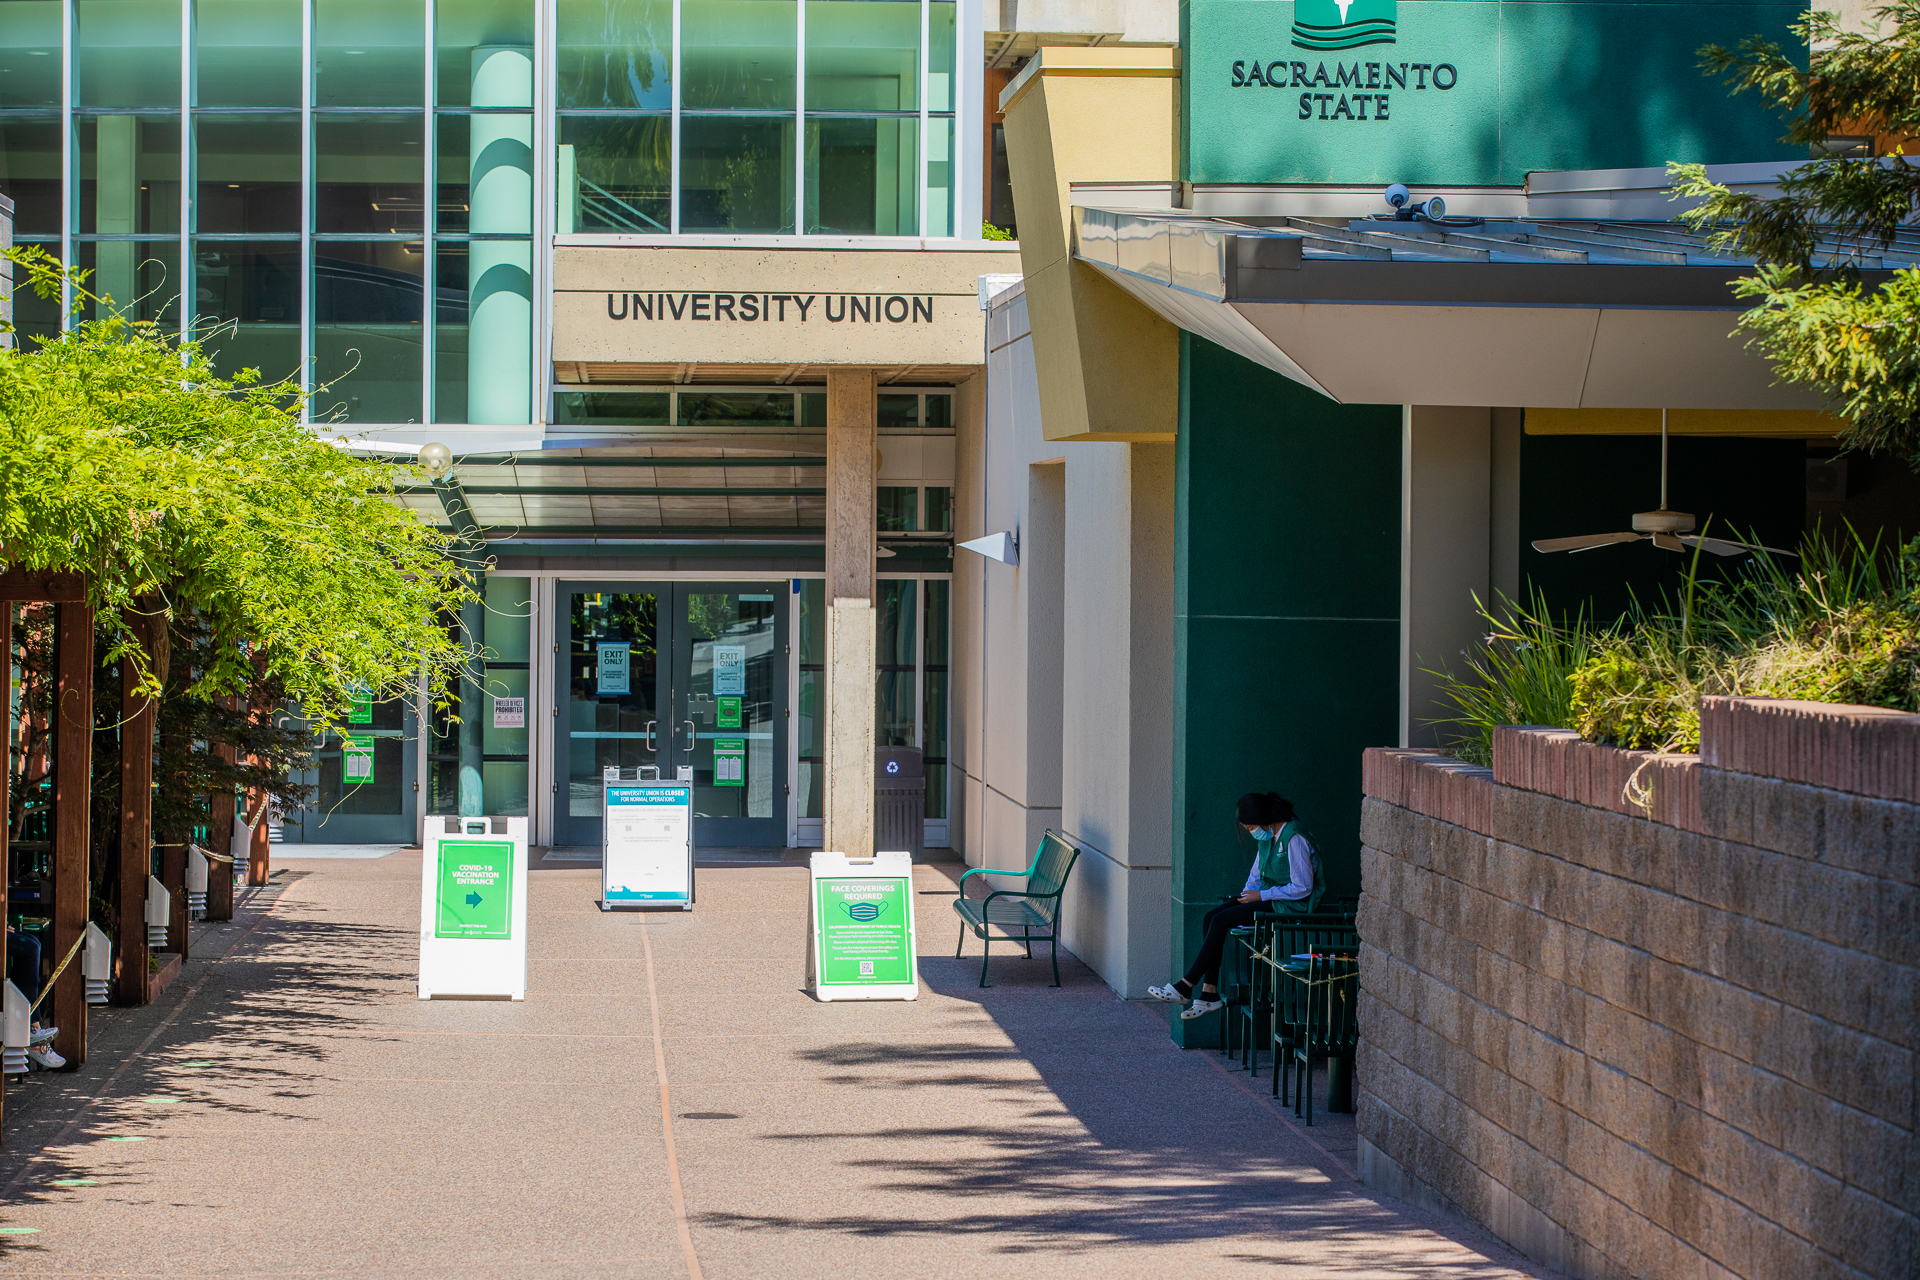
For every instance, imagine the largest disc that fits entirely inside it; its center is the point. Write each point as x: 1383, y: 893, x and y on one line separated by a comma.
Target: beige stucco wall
x: 592, y: 285
x: 1109, y: 367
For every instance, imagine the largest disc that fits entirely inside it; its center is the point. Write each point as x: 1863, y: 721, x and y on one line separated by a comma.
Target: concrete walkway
x: 665, y: 1102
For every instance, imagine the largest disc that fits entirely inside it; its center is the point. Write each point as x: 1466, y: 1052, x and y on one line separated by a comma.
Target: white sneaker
x: 42, y: 1034
x: 41, y: 1056
x: 1169, y: 993
x: 1201, y: 1008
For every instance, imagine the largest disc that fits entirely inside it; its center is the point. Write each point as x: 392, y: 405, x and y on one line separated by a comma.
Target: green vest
x: 1276, y: 870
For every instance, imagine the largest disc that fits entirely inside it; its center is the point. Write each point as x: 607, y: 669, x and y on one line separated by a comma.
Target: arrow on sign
x: 473, y: 899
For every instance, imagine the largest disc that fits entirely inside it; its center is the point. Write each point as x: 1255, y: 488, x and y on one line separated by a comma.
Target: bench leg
x: 1026, y: 936
x: 986, y: 953
x: 961, y: 941
x: 1053, y: 944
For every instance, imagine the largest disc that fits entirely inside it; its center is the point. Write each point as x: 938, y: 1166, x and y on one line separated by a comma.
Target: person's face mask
x: 1262, y: 833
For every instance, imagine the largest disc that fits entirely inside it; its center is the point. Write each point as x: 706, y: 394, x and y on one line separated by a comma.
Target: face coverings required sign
x: 862, y: 944
x: 473, y: 908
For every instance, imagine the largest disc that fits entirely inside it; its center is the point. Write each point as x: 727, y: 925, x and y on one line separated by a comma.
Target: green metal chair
x: 1035, y: 907
x: 1290, y: 937
x: 1332, y: 1025
x: 1249, y: 999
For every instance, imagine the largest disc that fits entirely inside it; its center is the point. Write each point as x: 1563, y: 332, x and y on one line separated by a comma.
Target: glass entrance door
x: 676, y: 675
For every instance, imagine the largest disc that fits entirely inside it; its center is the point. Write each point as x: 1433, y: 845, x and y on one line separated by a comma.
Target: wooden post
x: 6, y: 777
x: 257, y: 868
x: 220, y: 808
x: 137, y: 717
x: 72, y: 802
x: 852, y: 436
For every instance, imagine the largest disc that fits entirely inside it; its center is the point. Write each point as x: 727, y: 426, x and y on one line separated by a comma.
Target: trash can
x: 899, y: 800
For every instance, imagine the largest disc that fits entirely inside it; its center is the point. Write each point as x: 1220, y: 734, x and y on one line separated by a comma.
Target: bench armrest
x: 991, y: 871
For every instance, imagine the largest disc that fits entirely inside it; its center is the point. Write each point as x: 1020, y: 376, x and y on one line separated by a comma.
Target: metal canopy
x: 1532, y: 313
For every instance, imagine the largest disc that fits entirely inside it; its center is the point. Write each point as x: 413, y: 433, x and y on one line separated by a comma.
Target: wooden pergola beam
x: 42, y: 587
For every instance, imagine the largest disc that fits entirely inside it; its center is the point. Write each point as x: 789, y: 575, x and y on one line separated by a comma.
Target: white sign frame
x: 892, y: 866
x: 637, y: 844
x: 473, y: 967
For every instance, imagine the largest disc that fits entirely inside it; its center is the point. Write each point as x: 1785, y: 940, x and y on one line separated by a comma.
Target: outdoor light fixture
x: 1004, y: 547
x: 436, y: 460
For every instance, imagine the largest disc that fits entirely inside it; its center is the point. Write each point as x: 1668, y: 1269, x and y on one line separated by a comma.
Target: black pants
x: 1218, y: 923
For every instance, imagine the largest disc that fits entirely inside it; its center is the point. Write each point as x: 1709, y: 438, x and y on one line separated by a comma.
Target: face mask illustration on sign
x: 1344, y: 24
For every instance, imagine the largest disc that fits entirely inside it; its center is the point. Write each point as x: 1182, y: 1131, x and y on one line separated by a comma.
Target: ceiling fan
x: 1668, y: 530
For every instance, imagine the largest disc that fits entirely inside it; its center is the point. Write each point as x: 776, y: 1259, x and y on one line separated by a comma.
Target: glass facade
x: 348, y: 187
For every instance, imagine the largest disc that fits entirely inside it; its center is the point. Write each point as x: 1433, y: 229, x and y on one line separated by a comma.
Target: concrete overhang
x: 1524, y: 313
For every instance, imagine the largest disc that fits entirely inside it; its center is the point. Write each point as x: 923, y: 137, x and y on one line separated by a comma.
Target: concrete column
x: 852, y: 440
x: 1445, y: 561
x: 500, y: 272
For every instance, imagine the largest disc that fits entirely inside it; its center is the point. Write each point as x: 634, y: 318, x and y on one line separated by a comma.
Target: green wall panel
x: 1535, y: 85
x: 1286, y: 634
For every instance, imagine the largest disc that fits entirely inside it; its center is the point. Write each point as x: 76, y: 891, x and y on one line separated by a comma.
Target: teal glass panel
x: 246, y: 53
x: 863, y: 55
x: 736, y: 174
x: 30, y: 172
x: 863, y: 176
x: 483, y: 331
x: 366, y: 330
x: 898, y: 508
x: 809, y: 716
x: 30, y: 53
x: 813, y: 410
x: 141, y: 278
x: 614, y: 53
x: 745, y: 408
x: 940, y: 63
x: 129, y: 174
x: 36, y: 319
x: 468, y: 37
x: 614, y: 173
x: 367, y: 173
x: 369, y: 53
x: 898, y: 412
x: 939, y: 509
x: 246, y: 174
x: 247, y: 305
x: 940, y: 176
x: 933, y: 705
x: 939, y: 412
x: 591, y: 409
x: 509, y: 622
x: 894, y: 647
x: 127, y: 53
x: 738, y: 54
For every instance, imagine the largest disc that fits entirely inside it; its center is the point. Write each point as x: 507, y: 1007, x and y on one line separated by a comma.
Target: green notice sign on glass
x: 729, y: 762
x: 863, y: 938
x: 356, y: 761
x: 475, y: 893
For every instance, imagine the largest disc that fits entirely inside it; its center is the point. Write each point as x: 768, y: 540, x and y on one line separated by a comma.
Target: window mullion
x: 187, y: 167
x: 800, y: 118
x: 429, y: 219
x: 926, y: 86
x: 673, y: 148
x: 307, y: 298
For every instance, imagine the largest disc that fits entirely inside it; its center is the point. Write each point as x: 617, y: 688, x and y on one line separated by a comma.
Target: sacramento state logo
x: 1343, y: 24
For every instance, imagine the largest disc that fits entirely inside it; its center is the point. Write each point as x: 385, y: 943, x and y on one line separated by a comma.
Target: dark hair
x: 1259, y: 808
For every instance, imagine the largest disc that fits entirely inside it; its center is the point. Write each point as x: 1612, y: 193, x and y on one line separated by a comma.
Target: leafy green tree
x: 125, y: 455
x: 1816, y: 319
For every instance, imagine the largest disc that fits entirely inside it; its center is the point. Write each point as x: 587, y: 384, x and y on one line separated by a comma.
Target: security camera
x: 1398, y: 195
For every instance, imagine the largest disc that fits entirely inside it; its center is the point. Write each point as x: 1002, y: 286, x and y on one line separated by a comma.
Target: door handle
x: 652, y: 741
x: 690, y: 736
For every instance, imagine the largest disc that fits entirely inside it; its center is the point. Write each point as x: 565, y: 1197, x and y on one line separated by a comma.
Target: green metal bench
x: 1035, y: 907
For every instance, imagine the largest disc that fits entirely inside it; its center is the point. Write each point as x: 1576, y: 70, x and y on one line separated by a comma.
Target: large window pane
x: 483, y: 331
x: 30, y: 53
x: 141, y: 278
x: 614, y: 173
x: 940, y: 171
x: 366, y: 330
x: 934, y: 700
x: 247, y: 305
x: 809, y: 717
x: 468, y: 35
x: 368, y: 173
x: 127, y: 53
x: 595, y: 409
x: 737, y: 53
x: 894, y: 654
x: 615, y: 53
x: 940, y: 17
x: 736, y: 174
x: 737, y: 408
x: 30, y: 172
x: 129, y: 172
x: 247, y: 53
x: 863, y: 177
x: 247, y: 174
x: 863, y: 56
x: 35, y: 319
x: 368, y: 53
x: 485, y: 173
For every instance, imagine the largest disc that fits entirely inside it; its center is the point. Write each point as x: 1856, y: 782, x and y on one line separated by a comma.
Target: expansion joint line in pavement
x: 666, y: 1112
x: 66, y: 1130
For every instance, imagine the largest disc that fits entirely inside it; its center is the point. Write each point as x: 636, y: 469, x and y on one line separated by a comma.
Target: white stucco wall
x: 1066, y: 661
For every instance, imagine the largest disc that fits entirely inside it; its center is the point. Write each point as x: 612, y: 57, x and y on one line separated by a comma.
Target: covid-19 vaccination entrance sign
x: 862, y: 944
x: 473, y: 908
x: 647, y: 856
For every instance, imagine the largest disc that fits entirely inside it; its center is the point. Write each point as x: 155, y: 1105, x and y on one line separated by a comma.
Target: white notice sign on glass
x: 509, y: 713
x: 729, y: 670
x: 614, y: 655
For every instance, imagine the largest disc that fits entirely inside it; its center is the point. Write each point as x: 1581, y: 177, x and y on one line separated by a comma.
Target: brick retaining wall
x: 1649, y: 1015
